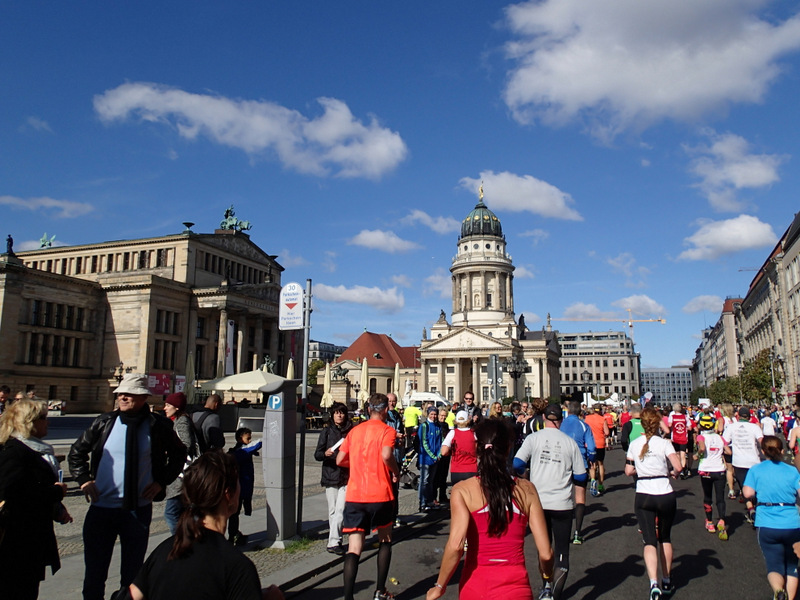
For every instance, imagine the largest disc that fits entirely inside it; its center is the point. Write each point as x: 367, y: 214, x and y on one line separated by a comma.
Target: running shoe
x: 655, y: 592
x: 780, y: 595
x: 710, y: 527
x: 601, y: 488
x: 577, y: 539
x: 383, y: 595
x: 731, y: 495
x: 751, y: 517
x: 546, y: 593
x: 667, y: 589
x: 593, y: 488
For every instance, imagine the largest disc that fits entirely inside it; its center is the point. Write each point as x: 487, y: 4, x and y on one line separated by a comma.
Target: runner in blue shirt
x: 580, y: 432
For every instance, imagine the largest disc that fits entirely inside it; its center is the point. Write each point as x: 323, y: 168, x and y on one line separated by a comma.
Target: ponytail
x: 651, y: 422
x: 493, y: 444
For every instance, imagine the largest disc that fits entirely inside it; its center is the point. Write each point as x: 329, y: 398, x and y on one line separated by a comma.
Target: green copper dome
x: 481, y: 222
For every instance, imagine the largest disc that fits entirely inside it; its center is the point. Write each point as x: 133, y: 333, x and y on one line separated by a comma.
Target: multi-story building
x: 600, y: 362
x: 720, y: 350
x: 668, y: 385
x: 457, y: 355
x: 323, y: 351
x: 74, y: 318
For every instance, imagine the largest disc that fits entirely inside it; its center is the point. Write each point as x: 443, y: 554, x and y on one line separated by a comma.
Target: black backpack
x: 202, y: 442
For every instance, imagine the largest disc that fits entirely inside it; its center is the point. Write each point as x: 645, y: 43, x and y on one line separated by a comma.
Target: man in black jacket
x: 334, y: 478
x: 123, y: 462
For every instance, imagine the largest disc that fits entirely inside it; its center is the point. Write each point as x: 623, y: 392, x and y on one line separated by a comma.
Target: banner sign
x: 158, y: 383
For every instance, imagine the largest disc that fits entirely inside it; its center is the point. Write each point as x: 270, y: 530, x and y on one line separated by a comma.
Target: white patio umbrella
x: 363, y: 394
x: 327, y: 397
x: 290, y: 369
x: 396, y: 380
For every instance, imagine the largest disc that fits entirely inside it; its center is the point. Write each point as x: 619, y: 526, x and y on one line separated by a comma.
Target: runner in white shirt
x: 744, y: 438
x: 649, y: 458
x: 768, y: 425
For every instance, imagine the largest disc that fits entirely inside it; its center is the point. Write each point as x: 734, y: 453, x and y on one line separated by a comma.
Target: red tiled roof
x: 369, y: 344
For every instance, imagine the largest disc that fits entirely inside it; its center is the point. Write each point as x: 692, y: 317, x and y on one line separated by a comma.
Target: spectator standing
x: 31, y: 492
x: 197, y: 562
x: 175, y: 409
x: 123, y: 462
x: 472, y: 409
x: 243, y: 452
x: 442, y: 465
x: 208, y: 425
x: 369, y: 452
x: 396, y: 421
x: 334, y: 478
x: 430, y: 447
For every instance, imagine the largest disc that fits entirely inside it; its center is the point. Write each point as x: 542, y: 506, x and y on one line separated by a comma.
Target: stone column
x: 440, y: 362
x: 221, y: 342
x: 423, y: 367
x: 509, y: 293
x: 259, y: 343
x: 469, y: 291
x: 241, y: 350
x: 476, y: 379
x: 457, y: 386
x: 501, y: 301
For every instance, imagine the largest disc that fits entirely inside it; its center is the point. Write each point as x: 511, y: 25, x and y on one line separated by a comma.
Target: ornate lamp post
x: 119, y: 371
x: 515, y: 366
x: 773, y: 356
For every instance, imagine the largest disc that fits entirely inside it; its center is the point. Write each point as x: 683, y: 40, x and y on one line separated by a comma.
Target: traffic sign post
x: 290, y: 312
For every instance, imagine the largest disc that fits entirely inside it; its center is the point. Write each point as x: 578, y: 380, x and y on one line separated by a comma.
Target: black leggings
x: 559, y: 528
x: 649, y: 507
x: 713, y: 482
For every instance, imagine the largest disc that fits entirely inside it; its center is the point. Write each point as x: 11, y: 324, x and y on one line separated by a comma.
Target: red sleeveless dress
x: 494, y: 567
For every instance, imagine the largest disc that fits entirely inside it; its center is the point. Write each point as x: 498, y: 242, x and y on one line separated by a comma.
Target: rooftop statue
x: 231, y: 222
x: 46, y: 242
x: 9, y: 244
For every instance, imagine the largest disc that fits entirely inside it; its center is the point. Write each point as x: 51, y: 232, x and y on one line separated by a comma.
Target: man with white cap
x: 123, y: 462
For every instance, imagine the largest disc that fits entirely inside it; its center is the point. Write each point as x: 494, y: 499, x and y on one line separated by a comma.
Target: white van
x: 417, y: 399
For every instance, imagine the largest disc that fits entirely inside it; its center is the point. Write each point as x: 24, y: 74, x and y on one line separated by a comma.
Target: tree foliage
x: 752, y: 386
x: 313, y: 369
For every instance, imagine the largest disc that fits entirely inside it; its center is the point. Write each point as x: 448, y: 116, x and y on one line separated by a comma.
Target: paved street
x: 607, y: 565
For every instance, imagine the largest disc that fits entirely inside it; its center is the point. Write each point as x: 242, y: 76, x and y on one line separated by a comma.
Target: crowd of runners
x: 742, y: 457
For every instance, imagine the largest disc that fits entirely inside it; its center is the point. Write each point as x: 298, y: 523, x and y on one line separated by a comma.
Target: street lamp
x: 585, y: 377
x: 515, y: 366
x: 119, y: 371
x: 772, y: 358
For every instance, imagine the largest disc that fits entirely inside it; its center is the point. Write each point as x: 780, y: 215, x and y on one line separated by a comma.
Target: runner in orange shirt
x: 369, y: 502
x: 597, y: 471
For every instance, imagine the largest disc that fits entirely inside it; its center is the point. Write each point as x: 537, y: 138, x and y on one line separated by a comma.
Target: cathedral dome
x: 481, y: 222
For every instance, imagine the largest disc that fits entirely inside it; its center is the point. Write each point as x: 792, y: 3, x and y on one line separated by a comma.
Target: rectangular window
x: 614, y: 363
x: 201, y: 328
x: 582, y: 363
x: 616, y: 376
x: 78, y: 265
x: 605, y: 363
x: 621, y: 363
x: 94, y: 264
x: 36, y: 312
x: 76, y: 356
x: 73, y: 393
x: 450, y: 394
x: 47, y: 315
x: 484, y: 395
x: 126, y: 261
x: 503, y: 391
x: 56, y: 351
x: 109, y: 263
x: 450, y: 369
x: 79, y: 319
x: 434, y: 370
x: 605, y: 376
x: 143, y: 262
x: 70, y: 314
x: 597, y: 363
x: 488, y: 299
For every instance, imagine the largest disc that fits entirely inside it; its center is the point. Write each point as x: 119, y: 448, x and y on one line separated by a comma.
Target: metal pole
x: 304, y: 402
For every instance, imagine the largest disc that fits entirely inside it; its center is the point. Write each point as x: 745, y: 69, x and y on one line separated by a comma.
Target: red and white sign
x: 158, y: 383
x: 290, y: 315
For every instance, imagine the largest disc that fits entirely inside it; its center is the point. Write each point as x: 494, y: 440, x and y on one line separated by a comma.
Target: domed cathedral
x: 460, y: 354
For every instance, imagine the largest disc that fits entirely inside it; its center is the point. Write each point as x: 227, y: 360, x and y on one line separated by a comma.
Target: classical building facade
x: 73, y: 318
x: 455, y: 357
x: 668, y: 385
x: 600, y: 362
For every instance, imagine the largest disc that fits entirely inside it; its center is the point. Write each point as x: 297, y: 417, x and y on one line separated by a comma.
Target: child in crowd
x: 243, y: 452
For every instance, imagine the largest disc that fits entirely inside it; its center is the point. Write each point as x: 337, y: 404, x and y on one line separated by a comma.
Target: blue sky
x: 638, y: 154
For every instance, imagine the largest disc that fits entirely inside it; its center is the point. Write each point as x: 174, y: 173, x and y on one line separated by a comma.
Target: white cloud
x: 645, y: 162
x: 703, y: 303
x: 537, y: 235
x: 329, y: 261
x: 286, y: 259
x: 625, y: 264
x: 641, y: 306
x: 727, y: 166
x: 521, y: 272
x: 37, y: 124
x: 390, y: 300
x: 385, y: 241
x: 333, y: 142
x: 59, y: 209
x: 439, y: 283
x: 585, y: 312
x: 438, y: 224
x: 616, y: 64
x: 401, y: 280
x: 716, y: 238
x: 518, y: 193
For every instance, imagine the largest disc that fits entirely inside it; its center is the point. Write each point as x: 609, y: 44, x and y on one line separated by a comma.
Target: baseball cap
x: 744, y: 412
x: 462, y: 415
x: 553, y: 412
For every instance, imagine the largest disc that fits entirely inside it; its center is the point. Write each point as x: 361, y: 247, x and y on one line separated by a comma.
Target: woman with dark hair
x: 492, y: 512
x: 334, y: 478
x: 197, y: 562
x: 649, y: 458
x: 775, y: 484
x: 30, y: 500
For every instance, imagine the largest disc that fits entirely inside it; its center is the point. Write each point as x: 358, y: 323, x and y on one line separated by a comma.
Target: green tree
x: 757, y: 378
x: 313, y: 369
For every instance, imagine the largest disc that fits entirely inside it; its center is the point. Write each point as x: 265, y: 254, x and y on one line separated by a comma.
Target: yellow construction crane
x: 630, y: 321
